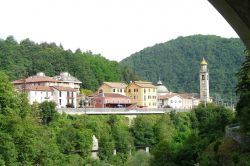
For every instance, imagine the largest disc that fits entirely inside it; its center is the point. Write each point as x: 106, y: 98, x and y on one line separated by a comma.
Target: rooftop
x: 66, y: 77
x: 116, y: 84
x: 144, y: 84
x: 40, y: 77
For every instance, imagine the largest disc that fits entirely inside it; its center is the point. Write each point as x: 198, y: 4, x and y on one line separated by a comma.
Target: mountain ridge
x: 176, y: 62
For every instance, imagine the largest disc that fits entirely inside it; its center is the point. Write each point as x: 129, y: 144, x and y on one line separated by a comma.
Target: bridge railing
x: 117, y: 110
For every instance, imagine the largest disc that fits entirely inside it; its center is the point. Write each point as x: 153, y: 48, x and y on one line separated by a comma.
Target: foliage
x: 8, y: 97
x: 38, y: 135
x: 212, y: 120
x: 86, y: 92
x: 27, y: 58
x: 140, y: 158
x: 176, y: 62
x: 143, y: 131
x: 243, y: 90
x: 48, y: 111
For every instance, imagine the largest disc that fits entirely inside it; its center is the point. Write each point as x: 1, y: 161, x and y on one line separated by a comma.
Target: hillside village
x: 64, y: 90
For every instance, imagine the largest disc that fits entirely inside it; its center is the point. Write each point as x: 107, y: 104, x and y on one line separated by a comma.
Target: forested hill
x: 177, y: 63
x: 26, y: 58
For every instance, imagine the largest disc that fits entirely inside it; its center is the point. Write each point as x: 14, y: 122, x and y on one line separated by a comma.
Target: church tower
x: 204, y: 82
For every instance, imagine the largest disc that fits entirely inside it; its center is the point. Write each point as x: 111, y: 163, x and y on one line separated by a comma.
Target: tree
x: 243, y: 90
x: 140, y: 158
x: 48, y: 112
x: 8, y: 97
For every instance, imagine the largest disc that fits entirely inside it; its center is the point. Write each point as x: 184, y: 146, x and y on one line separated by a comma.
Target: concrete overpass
x: 117, y: 111
x: 237, y: 14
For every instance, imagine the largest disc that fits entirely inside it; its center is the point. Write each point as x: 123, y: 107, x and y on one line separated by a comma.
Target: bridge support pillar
x: 130, y: 119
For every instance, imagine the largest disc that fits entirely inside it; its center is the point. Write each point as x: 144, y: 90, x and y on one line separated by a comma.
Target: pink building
x: 110, y: 100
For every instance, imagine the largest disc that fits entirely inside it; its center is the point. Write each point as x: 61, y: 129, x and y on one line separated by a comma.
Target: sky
x: 113, y: 28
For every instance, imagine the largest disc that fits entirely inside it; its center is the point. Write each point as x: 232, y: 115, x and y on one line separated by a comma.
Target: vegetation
x: 38, y: 135
x: 176, y: 63
x: 243, y: 90
x: 26, y: 58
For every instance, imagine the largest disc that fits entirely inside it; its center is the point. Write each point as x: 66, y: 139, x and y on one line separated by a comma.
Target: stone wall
x: 232, y: 131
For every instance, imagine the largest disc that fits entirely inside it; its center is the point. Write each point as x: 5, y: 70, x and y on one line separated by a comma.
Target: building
x: 113, y: 87
x: 167, y: 99
x: 204, y: 82
x: 66, y: 80
x: 110, y: 100
x: 170, y: 100
x: 178, y: 100
x: 42, y: 88
x: 161, y: 89
x: 142, y: 93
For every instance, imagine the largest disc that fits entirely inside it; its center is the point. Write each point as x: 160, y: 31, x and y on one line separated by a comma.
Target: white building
x: 42, y: 88
x: 168, y: 99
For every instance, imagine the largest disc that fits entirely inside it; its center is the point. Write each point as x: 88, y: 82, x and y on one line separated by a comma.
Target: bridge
x: 117, y: 111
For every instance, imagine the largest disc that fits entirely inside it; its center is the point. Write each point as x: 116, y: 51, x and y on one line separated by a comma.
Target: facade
x: 178, y: 101
x: 170, y: 100
x: 204, y: 82
x: 66, y: 80
x: 42, y: 88
x: 143, y: 94
x: 110, y: 100
x: 113, y: 87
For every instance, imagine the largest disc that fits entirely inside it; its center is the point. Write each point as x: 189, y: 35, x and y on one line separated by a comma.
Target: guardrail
x: 118, y: 111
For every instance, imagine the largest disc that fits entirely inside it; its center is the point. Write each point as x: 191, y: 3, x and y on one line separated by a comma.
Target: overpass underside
x: 237, y: 14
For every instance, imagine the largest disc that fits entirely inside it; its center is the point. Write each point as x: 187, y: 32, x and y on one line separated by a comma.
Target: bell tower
x: 204, y: 81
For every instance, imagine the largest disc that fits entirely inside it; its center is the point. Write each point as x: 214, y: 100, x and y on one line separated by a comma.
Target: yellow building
x: 113, y: 87
x: 143, y: 94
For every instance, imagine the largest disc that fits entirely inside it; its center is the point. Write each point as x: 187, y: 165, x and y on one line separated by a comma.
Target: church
x: 167, y: 99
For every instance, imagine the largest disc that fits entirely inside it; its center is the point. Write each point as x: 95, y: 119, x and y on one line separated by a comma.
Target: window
x: 120, y: 90
x: 113, y: 90
x: 144, y: 90
x: 202, y: 77
x: 149, y: 90
x: 60, y: 101
x: 60, y: 94
x: 129, y: 90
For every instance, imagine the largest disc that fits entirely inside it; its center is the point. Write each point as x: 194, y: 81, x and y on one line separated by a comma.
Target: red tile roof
x: 33, y: 79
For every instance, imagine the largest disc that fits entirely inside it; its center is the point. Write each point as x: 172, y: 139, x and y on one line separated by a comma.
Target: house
x: 142, y: 93
x: 170, y: 100
x: 113, y: 87
x: 67, y: 80
x: 42, y: 88
x: 110, y: 100
x: 178, y: 101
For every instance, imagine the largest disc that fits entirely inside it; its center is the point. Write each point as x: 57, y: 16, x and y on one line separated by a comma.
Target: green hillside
x: 26, y: 58
x: 177, y: 63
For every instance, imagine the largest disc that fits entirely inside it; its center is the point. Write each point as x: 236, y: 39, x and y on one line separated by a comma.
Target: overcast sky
x: 113, y: 28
